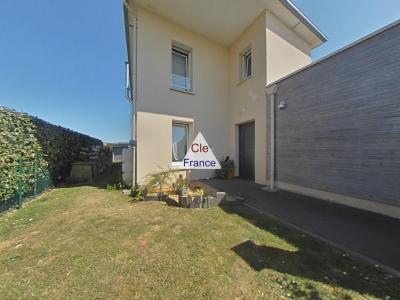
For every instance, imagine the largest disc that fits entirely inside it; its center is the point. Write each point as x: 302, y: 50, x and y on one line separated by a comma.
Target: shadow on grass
x: 111, y: 176
x: 171, y: 202
x: 314, y: 260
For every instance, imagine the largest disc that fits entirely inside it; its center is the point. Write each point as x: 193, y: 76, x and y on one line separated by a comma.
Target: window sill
x: 244, y: 79
x: 177, y: 165
x: 181, y: 90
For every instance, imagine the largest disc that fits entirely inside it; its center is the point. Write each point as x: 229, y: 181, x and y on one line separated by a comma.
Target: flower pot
x: 230, y: 174
x: 183, y: 201
x: 195, y: 201
x: 162, y: 196
x: 151, y: 197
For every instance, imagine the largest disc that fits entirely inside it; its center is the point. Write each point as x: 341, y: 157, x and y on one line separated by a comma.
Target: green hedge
x: 31, y: 140
x: 61, y: 146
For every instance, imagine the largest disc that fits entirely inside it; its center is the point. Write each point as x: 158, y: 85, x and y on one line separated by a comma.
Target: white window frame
x: 186, y: 52
x: 244, y: 64
x: 187, y: 127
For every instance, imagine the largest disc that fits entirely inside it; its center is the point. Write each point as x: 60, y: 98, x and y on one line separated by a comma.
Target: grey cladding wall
x: 340, y: 131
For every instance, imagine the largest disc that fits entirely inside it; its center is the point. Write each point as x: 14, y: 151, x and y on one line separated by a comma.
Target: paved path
x: 372, y: 236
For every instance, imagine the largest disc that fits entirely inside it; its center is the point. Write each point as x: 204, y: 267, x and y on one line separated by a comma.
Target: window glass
x: 179, y: 63
x: 245, y: 64
x: 180, y: 70
x: 248, y: 64
x: 179, y: 141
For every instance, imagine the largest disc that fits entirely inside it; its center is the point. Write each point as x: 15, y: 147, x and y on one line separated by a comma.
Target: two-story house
x: 204, y: 66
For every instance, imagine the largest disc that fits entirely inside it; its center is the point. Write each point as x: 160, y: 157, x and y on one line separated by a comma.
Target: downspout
x: 135, y: 96
x: 271, y: 93
x: 132, y: 33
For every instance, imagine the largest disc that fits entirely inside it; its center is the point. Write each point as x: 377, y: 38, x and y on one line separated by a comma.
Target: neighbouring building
x: 210, y: 66
x: 117, y: 149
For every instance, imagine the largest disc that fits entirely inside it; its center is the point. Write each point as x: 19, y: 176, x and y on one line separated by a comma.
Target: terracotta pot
x: 230, y: 174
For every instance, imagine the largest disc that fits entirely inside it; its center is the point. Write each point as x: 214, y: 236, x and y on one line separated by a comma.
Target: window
x: 181, y: 68
x: 246, y: 64
x: 180, y: 136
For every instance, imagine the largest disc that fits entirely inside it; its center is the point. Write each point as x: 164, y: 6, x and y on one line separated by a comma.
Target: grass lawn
x: 87, y: 242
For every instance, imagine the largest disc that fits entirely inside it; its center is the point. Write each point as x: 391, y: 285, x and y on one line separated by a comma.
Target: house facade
x: 203, y: 66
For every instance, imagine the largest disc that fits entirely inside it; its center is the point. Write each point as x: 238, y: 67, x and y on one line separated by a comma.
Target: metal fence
x: 32, y: 182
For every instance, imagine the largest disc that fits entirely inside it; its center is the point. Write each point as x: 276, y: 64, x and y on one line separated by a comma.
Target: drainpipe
x: 271, y: 93
x: 135, y: 95
x: 132, y: 33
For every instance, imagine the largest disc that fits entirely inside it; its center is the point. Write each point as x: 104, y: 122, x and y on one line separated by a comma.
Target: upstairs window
x: 246, y: 61
x: 181, y: 68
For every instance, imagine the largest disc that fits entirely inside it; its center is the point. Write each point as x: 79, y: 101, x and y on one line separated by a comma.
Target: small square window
x: 181, y: 68
x: 246, y: 61
x: 180, y: 141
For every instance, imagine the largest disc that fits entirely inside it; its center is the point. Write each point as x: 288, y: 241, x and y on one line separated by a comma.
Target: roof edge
x: 338, y: 51
x: 306, y: 21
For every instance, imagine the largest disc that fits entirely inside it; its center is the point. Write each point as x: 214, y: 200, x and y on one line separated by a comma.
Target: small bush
x: 116, y: 186
x: 227, y: 168
x: 180, y: 187
x: 159, y: 181
x: 199, y: 191
x: 137, y: 194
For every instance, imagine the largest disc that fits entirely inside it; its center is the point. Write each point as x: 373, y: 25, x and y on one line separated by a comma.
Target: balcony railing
x: 181, y: 83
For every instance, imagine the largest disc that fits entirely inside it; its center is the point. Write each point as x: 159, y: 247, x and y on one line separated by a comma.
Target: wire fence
x: 32, y: 181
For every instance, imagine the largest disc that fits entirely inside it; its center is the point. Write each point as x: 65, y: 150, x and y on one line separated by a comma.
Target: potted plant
x: 181, y: 189
x: 227, y: 170
x: 197, y: 197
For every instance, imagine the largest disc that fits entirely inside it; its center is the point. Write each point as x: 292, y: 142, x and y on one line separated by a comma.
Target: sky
x: 63, y: 61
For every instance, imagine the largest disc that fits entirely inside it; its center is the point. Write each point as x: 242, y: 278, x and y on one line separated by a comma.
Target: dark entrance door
x: 246, y: 151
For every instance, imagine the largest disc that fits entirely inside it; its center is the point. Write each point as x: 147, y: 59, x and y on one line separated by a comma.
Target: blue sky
x: 63, y: 61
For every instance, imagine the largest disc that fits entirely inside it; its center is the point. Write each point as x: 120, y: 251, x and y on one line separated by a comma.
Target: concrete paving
x: 371, y: 236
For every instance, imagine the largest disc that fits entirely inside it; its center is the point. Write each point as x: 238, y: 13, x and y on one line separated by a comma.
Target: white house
x: 204, y: 66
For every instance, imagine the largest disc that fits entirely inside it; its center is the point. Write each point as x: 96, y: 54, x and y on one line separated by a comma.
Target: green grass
x: 87, y: 242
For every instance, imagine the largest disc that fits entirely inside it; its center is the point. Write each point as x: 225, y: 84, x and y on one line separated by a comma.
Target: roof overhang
x: 296, y: 20
x: 225, y: 20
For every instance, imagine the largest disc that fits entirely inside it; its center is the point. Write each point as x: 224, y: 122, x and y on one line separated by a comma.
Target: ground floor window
x: 180, y: 136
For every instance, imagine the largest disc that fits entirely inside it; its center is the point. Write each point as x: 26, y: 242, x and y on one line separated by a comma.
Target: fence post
x: 47, y: 180
x: 35, y: 171
x: 20, y: 182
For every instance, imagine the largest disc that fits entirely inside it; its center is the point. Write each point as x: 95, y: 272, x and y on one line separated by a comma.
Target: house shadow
x: 313, y: 260
x: 261, y: 257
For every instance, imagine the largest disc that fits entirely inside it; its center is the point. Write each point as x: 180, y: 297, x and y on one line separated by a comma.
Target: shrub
x: 199, y: 191
x: 36, y: 143
x: 18, y: 142
x: 115, y: 187
x: 158, y: 181
x: 61, y: 146
x: 227, y: 168
x: 137, y: 194
x: 180, y: 187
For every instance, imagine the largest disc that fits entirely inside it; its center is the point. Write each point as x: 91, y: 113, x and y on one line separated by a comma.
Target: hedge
x: 32, y: 140
x: 61, y: 146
